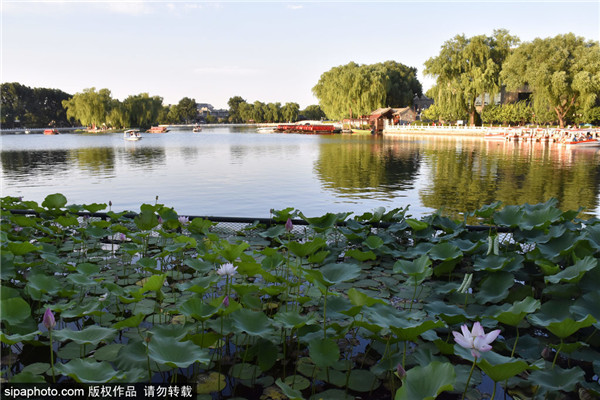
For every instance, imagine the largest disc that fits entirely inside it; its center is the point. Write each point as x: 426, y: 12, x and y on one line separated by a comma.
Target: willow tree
x: 353, y: 89
x: 89, y: 107
x: 562, y: 72
x: 142, y: 110
x: 467, y: 68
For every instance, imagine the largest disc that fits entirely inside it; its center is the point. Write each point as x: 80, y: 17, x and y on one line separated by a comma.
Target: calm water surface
x: 238, y: 172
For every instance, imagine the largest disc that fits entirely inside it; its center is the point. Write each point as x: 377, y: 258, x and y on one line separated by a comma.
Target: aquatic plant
x: 310, y: 307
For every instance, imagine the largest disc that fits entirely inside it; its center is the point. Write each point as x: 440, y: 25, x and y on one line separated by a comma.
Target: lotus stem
x: 52, y: 356
x: 557, y: 352
x: 469, y: 379
x: 325, y: 315
x: 515, y: 345
x: 494, y: 391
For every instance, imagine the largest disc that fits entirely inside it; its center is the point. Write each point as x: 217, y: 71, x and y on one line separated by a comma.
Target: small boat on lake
x: 158, y: 129
x: 50, y: 132
x: 266, y: 129
x: 132, y: 134
x: 308, y: 127
x: 197, y: 128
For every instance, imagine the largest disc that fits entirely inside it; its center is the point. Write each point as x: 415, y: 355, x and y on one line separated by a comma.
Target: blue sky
x: 267, y: 51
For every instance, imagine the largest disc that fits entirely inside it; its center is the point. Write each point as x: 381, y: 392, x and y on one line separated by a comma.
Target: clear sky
x: 268, y: 51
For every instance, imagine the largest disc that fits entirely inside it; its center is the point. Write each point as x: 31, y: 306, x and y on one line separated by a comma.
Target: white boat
x: 132, y: 134
x: 197, y: 128
x: 267, y: 129
x: 582, y: 143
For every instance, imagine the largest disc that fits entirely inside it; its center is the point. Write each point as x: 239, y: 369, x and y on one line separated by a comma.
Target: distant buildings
x: 205, y: 109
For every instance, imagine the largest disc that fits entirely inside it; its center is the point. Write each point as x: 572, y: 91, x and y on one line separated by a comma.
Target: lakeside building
x: 205, y: 109
x: 504, y: 97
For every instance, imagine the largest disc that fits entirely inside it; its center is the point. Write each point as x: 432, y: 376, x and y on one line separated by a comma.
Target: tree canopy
x: 32, y: 107
x: 89, y: 107
x: 352, y: 89
x: 562, y: 72
x: 467, y: 68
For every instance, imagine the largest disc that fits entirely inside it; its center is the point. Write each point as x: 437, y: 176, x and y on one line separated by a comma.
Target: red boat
x: 50, y: 132
x: 158, y: 129
x: 307, y: 128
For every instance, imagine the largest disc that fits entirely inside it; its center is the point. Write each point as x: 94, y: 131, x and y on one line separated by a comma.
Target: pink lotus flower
x: 48, y: 319
x: 476, y: 339
x: 226, y: 301
x: 288, y: 225
x: 184, y: 220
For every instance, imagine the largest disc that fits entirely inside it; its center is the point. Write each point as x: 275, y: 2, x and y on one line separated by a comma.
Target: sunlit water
x: 238, y: 172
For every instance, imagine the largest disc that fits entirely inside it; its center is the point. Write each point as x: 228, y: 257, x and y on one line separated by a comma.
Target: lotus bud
x: 48, y: 319
x: 288, y: 225
x: 400, y: 371
x: 226, y: 301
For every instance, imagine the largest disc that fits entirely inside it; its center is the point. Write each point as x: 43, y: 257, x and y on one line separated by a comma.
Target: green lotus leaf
x: 373, y: 242
x: 27, y: 377
x: 153, y: 283
x: 587, y: 304
x: 198, y: 285
x: 67, y: 220
x: 557, y: 379
x: 245, y: 371
x: 94, y: 207
x: 254, y: 323
x: 109, y: 352
x: 510, y: 216
x: 488, y: 210
x: 197, y: 309
x: 321, y: 224
x: 359, y: 298
x: 292, y: 394
x: 88, y: 371
x: 361, y: 255
x: 450, y: 313
x: 332, y: 394
x: 416, y: 225
x: 494, y: 287
x: 91, y: 335
x: 411, y: 330
x: 307, y: 248
x: 273, y: 232
x: 362, y: 380
x: 500, y: 368
x: 22, y: 248
x: 297, y: 382
x: 292, y: 319
x: 81, y: 280
x: 17, y: 338
x: 324, y: 352
x: 540, y: 218
x: 491, y: 263
x: 515, y: 313
x: 132, y: 356
x: 267, y: 354
x: 169, y: 351
x: 36, y: 368
x: 14, y: 310
x: 131, y: 322
x: 445, y: 252
x: 40, y: 283
x: 419, y: 269
x: 561, y: 328
x: 87, y: 308
x: 88, y: 268
x: 146, y: 220
x: 547, y: 267
x: 428, y: 382
x: 338, y: 273
x: 574, y: 273
x: 54, y: 201
x: 212, y: 382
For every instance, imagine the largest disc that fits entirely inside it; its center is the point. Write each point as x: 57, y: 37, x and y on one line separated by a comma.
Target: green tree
x: 290, y: 112
x: 354, y: 89
x: 187, y: 110
x: 467, y: 68
x: 89, y: 107
x: 142, y: 110
x: 313, y: 112
x: 234, y: 109
x: 563, y: 73
x: 37, y: 107
x: 273, y: 112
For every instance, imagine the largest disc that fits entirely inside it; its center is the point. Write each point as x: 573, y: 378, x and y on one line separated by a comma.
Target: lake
x: 240, y: 173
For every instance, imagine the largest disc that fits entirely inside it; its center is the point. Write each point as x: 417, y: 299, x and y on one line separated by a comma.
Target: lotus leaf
x: 494, y: 287
x: 131, y: 322
x: 16, y: 338
x: 212, y: 382
x: 197, y: 309
x: 500, y: 368
x: 427, y: 382
x: 169, y: 351
x: 54, y: 201
x: 22, y: 248
x: 254, y: 323
x: 88, y: 371
x: 91, y: 335
x: 557, y: 379
x: 324, y: 352
x: 575, y: 272
x: 14, y: 310
x: 27, y: 377
x: 245, y: 371
x: 307, y: 248
x: 411, y: 330
x: 513, y: 314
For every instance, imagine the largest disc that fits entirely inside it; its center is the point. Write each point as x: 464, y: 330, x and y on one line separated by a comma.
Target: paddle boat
x: 132, y: 134
x: 50, y: 132
x: 197, y: 128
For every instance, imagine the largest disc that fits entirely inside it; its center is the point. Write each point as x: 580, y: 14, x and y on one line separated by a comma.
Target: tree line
x: 562, y: 75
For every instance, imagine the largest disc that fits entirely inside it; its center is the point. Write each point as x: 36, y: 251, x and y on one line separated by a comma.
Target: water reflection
x: 19, y: 164
x: 366, y: 167
x: 97, y: 160
x: 142, y: 157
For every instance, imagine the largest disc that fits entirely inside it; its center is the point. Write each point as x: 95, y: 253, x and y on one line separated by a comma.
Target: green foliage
x: 351, y: 90
x: 341, y: 304
x: 23, y: 106
x: 465, y: 69
x: 563, y: 73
